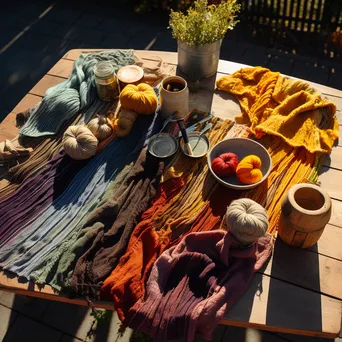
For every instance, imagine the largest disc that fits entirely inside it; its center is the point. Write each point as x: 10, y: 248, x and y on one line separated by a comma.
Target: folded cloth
x: 63, y: 101
x: 291, y: 109
x: 11, y: 152
x: 192, y: 285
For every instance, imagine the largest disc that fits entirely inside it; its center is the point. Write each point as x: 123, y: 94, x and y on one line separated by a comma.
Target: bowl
x: 242, y: 147
x: 162, y: 145
x: 200, y: 142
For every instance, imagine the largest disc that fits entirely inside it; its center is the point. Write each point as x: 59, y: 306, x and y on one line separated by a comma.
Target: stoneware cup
x: 171, y: 102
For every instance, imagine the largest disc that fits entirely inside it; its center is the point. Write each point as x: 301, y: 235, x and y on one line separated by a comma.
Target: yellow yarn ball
x: 248, y: 170
x: 139, y: 98
x: 79, y: 143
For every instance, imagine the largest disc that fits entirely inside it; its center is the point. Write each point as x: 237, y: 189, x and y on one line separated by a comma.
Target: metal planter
x: 199, y: 61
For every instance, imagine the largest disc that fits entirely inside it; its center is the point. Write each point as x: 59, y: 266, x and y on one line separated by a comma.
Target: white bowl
x: 242, y: 147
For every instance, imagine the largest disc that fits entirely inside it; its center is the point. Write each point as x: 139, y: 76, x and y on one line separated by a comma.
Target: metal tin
x: 199, y: 61
x: 202, y: 147
x: 163, y: 145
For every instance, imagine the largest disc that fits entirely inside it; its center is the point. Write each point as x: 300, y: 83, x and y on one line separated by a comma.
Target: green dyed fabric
x: 63, y: 101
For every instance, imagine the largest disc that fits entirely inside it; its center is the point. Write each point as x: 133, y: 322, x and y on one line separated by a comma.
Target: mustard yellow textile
x: 293, y: 110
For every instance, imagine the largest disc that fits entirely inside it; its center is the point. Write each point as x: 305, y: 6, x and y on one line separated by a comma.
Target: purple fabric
x: 35, y: 194
x: 193, y: 284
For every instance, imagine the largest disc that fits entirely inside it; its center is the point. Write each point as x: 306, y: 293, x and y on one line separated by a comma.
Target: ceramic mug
x: 174, y: 101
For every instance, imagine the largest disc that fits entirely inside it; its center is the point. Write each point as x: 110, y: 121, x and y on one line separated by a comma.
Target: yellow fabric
x: 293, y: 110
x: 141, y: 98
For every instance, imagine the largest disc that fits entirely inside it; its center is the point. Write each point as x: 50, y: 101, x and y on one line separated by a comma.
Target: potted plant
x: 199, y: 33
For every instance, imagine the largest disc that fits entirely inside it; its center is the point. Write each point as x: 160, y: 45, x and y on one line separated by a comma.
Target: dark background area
x: 298, y: 38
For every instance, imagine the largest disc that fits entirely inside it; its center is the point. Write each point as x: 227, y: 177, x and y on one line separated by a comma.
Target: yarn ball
x: 79, y: 143
x: 100, y: 127
x: 139, y: 98
x: 225, y: 165
x: 248, y: 170
x: 246, y: 220
x: 125, y: 121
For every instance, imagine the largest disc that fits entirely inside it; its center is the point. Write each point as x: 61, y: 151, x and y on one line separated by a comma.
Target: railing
x: 298, y: 15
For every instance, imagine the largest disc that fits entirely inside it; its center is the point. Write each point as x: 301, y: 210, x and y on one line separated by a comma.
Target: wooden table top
x: 300, y: 291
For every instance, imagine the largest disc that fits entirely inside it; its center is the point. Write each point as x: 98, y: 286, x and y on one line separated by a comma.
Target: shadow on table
x: 285, y: 299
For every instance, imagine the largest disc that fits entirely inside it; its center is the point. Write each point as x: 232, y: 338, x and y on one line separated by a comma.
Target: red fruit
x: 225, y: 165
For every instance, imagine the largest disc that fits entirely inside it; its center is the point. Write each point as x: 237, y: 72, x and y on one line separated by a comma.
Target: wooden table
x: 300, y: 291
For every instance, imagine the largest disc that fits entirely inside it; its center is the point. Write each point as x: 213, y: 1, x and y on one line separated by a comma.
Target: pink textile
x: 193, y: 284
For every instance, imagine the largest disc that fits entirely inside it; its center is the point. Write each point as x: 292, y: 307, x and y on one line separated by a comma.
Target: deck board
x: 302, y: 284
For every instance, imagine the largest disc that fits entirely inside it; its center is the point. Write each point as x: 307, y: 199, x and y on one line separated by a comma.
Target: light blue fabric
x: 63, y: 101
x: 33, y: 254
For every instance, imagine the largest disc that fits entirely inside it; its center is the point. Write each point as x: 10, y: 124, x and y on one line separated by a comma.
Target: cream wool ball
x: 246, y: 220
x: 100, y: 127
x: 79, y: 143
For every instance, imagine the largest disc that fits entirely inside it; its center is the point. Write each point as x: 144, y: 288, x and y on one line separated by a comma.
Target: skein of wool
x: 125, y: 121
x: 62, y: 101
x: 246, y: 220
x: 79, y: 142
x: 101, y: 127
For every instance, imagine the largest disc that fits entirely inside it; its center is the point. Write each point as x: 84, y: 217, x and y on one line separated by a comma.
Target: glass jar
x: 106, y: 81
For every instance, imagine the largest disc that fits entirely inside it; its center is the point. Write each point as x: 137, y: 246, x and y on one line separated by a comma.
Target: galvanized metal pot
x: 199, y: 61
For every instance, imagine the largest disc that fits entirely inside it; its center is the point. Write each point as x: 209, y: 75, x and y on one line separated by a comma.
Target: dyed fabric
x: 275, y: 105
x: 35, y: 194
x: 114, y: 222
x: 193, y: 284
x: 35, y: 252
x: 181, y: 206
x: 290, y: 166
x: 63, y: 101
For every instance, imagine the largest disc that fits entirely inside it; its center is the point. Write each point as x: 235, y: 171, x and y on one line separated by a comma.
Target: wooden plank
x: 334, y: 159
x: 27, y: 102
x: 299, y: 308
x: 336, y: 216
x: 62, y: 68
x: 45, y: 83
x: 274, y: 305
x: 46, y: 292
x: 8, y: 129
x: 303, y: 268
x: 330, y: 180
x: 329, y: 243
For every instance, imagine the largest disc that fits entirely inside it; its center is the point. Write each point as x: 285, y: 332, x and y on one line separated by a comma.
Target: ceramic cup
x: 174, y: 101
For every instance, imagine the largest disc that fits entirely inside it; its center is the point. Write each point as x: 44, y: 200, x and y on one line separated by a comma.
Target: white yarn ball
x: 246, y: 220
x: 79, y: 142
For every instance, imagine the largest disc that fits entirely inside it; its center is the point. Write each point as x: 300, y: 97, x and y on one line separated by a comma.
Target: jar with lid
x: 106, y: 81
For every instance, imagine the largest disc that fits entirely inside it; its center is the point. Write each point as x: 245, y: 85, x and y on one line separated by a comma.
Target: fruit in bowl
x: 251, y: 171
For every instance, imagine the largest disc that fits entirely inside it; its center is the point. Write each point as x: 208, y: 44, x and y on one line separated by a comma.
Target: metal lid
x: 162, y: 145
x: 103, y: 69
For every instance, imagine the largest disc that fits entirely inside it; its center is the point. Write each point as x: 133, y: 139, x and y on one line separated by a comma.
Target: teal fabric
x: 63, y: 101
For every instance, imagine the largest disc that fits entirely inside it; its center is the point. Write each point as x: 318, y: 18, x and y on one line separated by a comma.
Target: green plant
x: 203, y: 24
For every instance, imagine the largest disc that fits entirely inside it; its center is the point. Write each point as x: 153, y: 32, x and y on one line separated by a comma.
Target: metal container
x: 199, y: 61
x: 163, y: 145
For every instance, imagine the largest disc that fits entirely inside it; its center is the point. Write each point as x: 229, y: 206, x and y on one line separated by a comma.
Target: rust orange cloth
x: 191, y: 202
x: 290, y: 109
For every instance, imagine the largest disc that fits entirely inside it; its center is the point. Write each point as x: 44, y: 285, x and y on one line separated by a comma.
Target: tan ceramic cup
x: 178, y: 101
